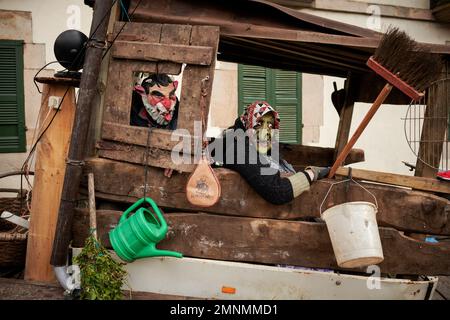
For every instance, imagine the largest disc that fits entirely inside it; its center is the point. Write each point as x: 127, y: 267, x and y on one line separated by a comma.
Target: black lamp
x: 69, y: 49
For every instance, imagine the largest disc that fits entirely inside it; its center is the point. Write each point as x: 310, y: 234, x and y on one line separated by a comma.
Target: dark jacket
x: 272, y: 187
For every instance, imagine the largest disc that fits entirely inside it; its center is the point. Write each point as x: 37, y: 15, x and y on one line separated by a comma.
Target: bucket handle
x: 137, y: 204
x: 333, y: 184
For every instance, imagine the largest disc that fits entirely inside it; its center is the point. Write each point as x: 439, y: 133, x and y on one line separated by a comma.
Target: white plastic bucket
x: 353, y: 231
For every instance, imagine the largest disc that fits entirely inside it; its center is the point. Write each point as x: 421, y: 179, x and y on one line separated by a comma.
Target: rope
x: 347, y: 180
x: 204, y: 94
x: 146, y: 160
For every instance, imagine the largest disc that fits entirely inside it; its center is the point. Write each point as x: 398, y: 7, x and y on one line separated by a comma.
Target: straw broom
x: 403, y: 64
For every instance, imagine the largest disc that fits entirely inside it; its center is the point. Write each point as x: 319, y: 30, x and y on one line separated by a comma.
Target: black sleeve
x: 273, y: 188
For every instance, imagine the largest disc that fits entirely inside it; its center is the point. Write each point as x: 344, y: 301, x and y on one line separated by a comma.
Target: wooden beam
x: 51, y: 154
x: 159, y: 138
x: 270, y: 241
x: 418, y: 183
x: 434, y: 128
x: 277, y: 32
x: 399, y: 208
x: 192, y: 95
x: 302, y: 156
x: 137, y: 154
x: 146, y: 51
x: 165, y: 139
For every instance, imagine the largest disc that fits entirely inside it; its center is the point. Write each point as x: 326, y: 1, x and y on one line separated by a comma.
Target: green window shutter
x: 252, y: 85
x: 12, y: 117
x: 282, y: 89
x: 287, y: 100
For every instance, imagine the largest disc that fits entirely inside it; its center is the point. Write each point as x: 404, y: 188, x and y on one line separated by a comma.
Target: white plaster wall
x: 38, y: 23
x: 51, y: 17
x: 224, y: 98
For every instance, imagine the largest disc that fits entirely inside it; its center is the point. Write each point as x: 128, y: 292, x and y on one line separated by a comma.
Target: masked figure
x: 250, y: 147
x: 154, y: 103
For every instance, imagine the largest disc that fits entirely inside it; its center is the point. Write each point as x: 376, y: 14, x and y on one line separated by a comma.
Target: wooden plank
x: 345, y: 117
x: 419, y: 183
x: 191, y: 91
x: 165, y: 52
x: 301, y: 156
x: 385, y: 10
x: 253, y: 13
x: 443, y: 288
x: 270, y: 241
x: 73, y: 82
x: 131, y: 31
x: 51, y: 154
x: 298, y: 155
x: 159, y: 138
x: 442, y: 12
x: 120, y: 85
x: 136, y: 154
x: 434, y: 128
x: 399, y: 208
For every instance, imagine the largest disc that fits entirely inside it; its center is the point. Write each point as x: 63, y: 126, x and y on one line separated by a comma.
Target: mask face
x: 263, y: 132
x: 160, y: 102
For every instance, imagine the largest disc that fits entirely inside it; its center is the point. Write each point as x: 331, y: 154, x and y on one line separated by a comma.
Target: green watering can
x: 136, y: 236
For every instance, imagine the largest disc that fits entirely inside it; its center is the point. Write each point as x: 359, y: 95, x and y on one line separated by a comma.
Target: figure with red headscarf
x: 250, y: 147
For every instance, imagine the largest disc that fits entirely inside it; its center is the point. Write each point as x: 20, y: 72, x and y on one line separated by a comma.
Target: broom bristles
x: 405, y: 58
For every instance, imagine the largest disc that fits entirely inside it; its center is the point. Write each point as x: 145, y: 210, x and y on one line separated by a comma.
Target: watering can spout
x: 151, y: 251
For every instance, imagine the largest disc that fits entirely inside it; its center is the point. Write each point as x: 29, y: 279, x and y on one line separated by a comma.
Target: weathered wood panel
x: 302, y: 156
x: 120, y: 83
x: 162, y: 143
x: 418, y: 183
x: 434, y: 127
x: 191, y: 91
x: 159, y: 138
x: 147, y: 51
x: 137, y: 154
x: 274, y: 242
x: 399, y: 208
x: 50, y: 167
x: 297, y: 155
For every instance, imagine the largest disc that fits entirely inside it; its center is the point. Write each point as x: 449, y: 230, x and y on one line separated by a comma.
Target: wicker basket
x: 16, y: 205
x: 13, y: 248
x: 13, y: 240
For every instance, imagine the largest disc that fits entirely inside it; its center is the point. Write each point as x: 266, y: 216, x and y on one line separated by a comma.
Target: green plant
x: 101, y: 276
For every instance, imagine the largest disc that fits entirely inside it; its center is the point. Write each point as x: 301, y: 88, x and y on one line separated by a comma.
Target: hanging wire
x: 25, y: 165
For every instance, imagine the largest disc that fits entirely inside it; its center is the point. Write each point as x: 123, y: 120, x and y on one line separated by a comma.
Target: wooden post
x: 51, y: 153
x: 92, y: 217
x: 365, y: 121
x: 76, y: 155
x: 345, y: 118
x: 434, y: 128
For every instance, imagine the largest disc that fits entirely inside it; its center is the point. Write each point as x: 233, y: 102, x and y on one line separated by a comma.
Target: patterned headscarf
x: 255, y: 111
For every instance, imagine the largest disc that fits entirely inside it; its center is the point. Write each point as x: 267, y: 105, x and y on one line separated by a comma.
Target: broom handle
x: 373, y: 109
x: 92, y: 214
